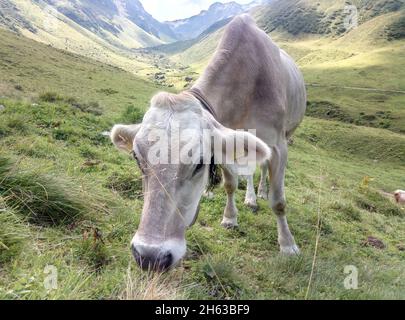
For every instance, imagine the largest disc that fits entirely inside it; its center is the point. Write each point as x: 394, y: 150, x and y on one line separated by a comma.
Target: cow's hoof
x: 290, y: 250
x: 252, y: 205
x: 263, y: 195
x: 229, y: 223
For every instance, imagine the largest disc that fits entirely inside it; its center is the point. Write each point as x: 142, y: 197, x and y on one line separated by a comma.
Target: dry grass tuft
x: 152, y: 286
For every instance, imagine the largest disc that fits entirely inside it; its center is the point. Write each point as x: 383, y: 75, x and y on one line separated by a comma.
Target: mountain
x: 194, y: 26
x: 328, y: 18
x: 123, y: 24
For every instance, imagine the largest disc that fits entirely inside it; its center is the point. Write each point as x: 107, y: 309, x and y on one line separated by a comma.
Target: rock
x: 189, y: 79
x: 2, y: 108
x: 374, y: 242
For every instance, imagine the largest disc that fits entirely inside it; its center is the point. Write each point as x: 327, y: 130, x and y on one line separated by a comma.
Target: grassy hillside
x: 29, y: 69
x: 326, y: 17
x: 344, y: 72
x: 68, y: 199
x: 54, y: 29
x: 51, y: 20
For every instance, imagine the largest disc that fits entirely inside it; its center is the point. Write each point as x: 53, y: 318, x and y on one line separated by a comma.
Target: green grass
x: 87, y: 195
x: 344, y: 71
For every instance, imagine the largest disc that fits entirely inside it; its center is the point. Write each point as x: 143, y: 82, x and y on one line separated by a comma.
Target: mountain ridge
x: 193, y: 27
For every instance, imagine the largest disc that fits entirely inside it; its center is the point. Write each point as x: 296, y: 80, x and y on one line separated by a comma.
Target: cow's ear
x: 239, y: 148
x: 123, y: 136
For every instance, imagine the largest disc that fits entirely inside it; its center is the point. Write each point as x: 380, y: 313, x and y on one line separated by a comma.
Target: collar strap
x: 205, y: 103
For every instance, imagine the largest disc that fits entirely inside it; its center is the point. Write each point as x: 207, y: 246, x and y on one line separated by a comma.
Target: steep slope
x: 122, y: 24
x: 325, y: 17
x: 192, y: 27
x: 29, y: 69
x: 111, y: 44
x: 180, y: 46
x: 342, y: 70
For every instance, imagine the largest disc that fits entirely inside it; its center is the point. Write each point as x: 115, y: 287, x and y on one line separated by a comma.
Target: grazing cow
x: 249, y: 84
x: 400, y: 196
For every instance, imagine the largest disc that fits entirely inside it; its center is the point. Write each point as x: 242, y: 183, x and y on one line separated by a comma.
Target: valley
x: 69, y: 199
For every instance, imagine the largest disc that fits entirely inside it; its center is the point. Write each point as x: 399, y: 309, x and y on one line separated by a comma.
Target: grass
x: 87, y: 196
x: 13, y: 234
x: 44, y: 199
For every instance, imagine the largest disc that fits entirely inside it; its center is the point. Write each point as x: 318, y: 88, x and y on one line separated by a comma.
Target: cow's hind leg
x: 277, y: 167
x: 251, y: 199
x: 230, y: 219
x: 263, y: 192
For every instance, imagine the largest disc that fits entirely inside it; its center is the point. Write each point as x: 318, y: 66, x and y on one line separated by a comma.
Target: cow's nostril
x: 166, y: 261
x: 152, y: 261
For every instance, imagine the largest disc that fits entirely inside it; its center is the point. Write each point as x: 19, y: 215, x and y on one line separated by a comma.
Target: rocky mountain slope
x: 123, y: 24
x: 192, y: 27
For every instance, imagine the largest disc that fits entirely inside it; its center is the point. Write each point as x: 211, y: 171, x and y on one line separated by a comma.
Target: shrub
x: 327, y: 110
x: 43, y: 199
x: 108, y: 91
x: 132, y: 115
x: 94, y: 253
x: 375, y: 202
x: 126, y: 185
x: 90, y: 107
x: 347, y: 210
x: 223, y: 280
x: 17, y: 123
x: 50, y: 97
x: 396, y: 30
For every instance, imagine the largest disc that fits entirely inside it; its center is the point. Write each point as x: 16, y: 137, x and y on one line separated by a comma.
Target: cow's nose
x: 152, y: 259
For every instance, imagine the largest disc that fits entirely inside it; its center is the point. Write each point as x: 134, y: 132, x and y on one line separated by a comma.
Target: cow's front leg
x: 230, y: 219
x: 278, y: 165
x: 251, y: 199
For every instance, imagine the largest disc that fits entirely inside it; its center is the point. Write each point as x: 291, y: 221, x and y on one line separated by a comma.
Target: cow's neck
x: 216, y: 99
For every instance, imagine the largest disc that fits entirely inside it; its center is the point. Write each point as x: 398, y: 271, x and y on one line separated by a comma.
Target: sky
x: 164, y: 10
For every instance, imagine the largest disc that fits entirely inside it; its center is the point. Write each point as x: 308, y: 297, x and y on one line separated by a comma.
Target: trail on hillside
x: 354, y: 88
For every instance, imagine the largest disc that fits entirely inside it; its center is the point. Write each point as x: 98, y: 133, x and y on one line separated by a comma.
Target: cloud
x: 177, y: 9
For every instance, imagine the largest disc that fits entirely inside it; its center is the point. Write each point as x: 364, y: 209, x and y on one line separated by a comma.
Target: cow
x: 249, y: 84
x: 399, y: 196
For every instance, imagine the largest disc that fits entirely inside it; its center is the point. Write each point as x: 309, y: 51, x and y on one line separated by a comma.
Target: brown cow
x: 250, y: 84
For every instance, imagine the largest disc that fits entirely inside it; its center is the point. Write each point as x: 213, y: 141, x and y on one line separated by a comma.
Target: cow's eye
x: 133, y: 154
x: 135, y: 157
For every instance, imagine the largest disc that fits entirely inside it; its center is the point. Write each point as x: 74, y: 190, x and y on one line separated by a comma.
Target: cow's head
x: 174, y: 147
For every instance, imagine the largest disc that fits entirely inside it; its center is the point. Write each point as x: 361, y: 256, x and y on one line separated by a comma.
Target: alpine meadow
x: 70, y: 203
